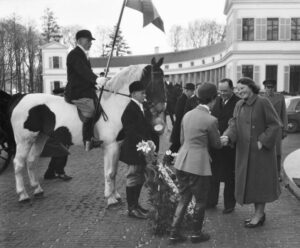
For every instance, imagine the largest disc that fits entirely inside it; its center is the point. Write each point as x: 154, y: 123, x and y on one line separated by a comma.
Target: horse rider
x: 82, y: 85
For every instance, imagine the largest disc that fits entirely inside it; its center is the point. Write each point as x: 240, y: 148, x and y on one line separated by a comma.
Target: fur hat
x: 207, y: 91
x: 189, y: 86
x: 136, y: 86
x: 84, y: 34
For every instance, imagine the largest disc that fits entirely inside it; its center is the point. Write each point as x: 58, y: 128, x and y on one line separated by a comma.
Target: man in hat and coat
x: 82, y: 85
x: 223, y: 160
x: 199, y: 131
x: 188, y: 91
x: 136, y: 128
x: 278, y: 103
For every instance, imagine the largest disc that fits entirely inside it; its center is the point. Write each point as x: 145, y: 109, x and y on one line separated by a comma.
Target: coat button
x: 253, y: 126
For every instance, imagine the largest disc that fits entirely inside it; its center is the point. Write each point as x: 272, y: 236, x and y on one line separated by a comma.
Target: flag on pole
x: 149, y: 12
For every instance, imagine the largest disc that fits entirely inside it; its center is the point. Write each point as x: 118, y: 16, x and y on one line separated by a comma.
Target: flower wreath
x: 163, y: 190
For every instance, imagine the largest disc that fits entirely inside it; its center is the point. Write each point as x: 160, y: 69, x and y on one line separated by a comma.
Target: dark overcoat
x: 179, y: 112
x: 136, y: 128
x: 191, y: 103
x: 278, y: 103
x: 256, y: 175
x: 223, y: 160
x: 81, y: 78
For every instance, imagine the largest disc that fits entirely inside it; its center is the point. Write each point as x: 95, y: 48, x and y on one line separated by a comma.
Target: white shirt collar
x: 205, y: 106
x: 85, y: 51
x: 139, y: 104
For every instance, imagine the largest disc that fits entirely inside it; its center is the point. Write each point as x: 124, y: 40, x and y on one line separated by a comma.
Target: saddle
x: 96, y: 116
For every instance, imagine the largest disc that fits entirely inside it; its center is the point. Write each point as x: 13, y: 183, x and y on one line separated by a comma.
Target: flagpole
x: 110, y: 56
x: 115, y: 38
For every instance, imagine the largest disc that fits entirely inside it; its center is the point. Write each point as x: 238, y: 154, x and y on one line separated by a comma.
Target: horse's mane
x: 125, y: 77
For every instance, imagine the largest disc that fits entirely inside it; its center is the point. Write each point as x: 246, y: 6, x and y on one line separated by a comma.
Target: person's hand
x: 101, y: 81
x: 259, y: 145
x: 224, y: 140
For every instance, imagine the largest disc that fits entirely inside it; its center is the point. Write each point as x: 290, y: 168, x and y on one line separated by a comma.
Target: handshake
x: 224, y: 140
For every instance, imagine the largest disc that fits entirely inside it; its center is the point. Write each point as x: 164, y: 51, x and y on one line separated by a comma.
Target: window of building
x: 248, y: 28
x: 56, y: 84
x: 272, y: 28
x: 294, y: 79
x: 56, y: 62
x: 271, y: 72
x: 166, y: 67
x: 213, y: 59
x: 203, y: 61
x: 192, y: 63
x: 179, y: 65
x: 247, y: 71
x: 295, y: 28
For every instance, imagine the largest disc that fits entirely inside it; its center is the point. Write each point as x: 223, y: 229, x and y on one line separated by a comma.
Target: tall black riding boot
x: 138, y: 189
x: 175, y: 235
x: 131, y: 201
x: 198, y: 218
x: 88, y: 133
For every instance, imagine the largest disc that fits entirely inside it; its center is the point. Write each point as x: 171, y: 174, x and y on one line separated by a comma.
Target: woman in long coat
x: 254, y: 127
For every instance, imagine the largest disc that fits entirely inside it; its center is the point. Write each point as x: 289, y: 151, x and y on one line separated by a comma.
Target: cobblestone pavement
x: 74, y: 214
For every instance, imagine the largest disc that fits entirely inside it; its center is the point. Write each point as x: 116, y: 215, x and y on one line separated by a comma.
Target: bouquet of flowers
x: 163, y: 190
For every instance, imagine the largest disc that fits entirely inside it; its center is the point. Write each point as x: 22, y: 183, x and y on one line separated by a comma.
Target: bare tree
x: 215, y: 32
x: 176, y: 36
x: 68, y: 35
x: 204, y: 32
x: 102, y: 41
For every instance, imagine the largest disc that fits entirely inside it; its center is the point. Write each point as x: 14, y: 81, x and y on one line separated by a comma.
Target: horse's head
x: 153, y: 78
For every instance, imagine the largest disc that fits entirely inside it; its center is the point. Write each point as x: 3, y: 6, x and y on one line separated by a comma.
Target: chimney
x: 156, y: 49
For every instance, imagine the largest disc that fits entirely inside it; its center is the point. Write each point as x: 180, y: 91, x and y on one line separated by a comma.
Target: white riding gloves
x: 100, y: 82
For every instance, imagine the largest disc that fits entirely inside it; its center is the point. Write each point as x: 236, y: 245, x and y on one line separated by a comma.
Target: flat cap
x: 207, y: 91
x: 84, y: 34
x: 136, y: 86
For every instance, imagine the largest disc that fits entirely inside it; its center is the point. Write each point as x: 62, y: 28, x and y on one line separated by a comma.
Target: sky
x: 92, y: 13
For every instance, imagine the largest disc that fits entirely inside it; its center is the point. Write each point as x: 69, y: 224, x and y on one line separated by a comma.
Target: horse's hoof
x: 25, y: 200
x: 39, y: 195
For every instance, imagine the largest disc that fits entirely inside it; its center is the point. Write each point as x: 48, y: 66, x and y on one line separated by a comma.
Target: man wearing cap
x: 192, y: 102
x: 188, y: 91
x: 223, y: 160
x: 82, y: 85
x: 136, y: 128
x: 278, y: 103
x: 199, y: 131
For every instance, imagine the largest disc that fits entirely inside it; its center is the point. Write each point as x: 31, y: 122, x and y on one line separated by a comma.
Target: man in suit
x: 82, y: 85
x: 136, y: 128
x: 192, y: 102
x: 223, y: 160
x: 199, y: 132
x: 189, y: 90
x: 278, y: 103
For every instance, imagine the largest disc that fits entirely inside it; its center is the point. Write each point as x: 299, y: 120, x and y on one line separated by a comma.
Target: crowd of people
x: 231, y: 136
x: 220, y: 134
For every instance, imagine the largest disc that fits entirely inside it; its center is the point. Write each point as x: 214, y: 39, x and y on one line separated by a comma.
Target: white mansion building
x: 262, y: 42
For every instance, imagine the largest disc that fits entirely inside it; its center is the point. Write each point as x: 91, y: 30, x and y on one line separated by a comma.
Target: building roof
x: 173, y: 57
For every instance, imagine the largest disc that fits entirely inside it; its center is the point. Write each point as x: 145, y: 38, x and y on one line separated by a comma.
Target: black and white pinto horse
x: 38, y: 116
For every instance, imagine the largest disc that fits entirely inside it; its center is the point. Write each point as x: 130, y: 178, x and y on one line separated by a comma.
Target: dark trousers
x: 57, y: 166
x: 191, y: 185
x: 228, y: 193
